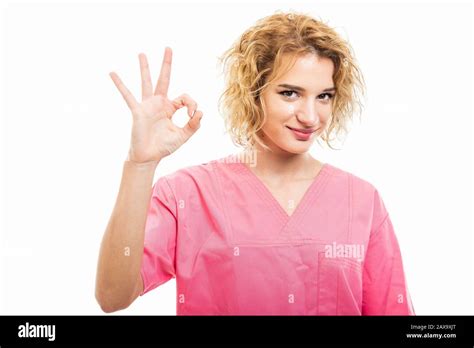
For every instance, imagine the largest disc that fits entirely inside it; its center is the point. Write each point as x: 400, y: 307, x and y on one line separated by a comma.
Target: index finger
x: 126, y: 94
x: 165, y: 72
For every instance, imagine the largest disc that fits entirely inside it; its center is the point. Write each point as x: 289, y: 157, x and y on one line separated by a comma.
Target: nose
x: 308, y: 115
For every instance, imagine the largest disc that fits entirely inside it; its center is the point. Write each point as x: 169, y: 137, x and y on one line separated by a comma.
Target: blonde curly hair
x: 255, y: 59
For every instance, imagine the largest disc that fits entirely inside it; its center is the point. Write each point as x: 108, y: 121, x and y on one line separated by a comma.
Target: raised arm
x: 153, y: 137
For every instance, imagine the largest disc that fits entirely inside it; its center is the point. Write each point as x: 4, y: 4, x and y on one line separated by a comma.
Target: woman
x: 270, y: 230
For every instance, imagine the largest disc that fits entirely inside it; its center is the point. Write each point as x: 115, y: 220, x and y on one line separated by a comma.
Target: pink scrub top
x: 233, y: 249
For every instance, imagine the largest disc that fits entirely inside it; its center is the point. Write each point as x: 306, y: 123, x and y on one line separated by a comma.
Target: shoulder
x: 202, y: 176
x: 189, y: 173
x: 354, y: 181
x: 363, y: 194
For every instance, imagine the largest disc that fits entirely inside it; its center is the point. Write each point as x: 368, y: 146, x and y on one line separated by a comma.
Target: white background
x: 65, y: 132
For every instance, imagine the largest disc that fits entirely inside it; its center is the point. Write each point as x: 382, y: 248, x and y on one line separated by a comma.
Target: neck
x: 281, y: 165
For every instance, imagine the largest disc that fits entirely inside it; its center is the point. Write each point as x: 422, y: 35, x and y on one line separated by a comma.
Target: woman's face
x: 299, y: 112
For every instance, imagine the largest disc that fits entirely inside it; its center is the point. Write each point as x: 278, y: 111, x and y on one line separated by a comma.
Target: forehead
x: 307, y: 70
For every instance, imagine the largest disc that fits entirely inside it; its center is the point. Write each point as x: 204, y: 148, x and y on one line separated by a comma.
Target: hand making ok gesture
x: 154, y: 135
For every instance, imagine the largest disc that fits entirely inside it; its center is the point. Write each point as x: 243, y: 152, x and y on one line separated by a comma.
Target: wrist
x: 141, y: 165
x: 132, y: 162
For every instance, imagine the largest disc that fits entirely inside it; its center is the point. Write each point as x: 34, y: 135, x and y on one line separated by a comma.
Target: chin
x: 295, y: 148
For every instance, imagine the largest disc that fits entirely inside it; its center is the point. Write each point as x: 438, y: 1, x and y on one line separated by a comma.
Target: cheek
x: 325, y: 113
x: 279, y: 110
x: 279, y: 113
x: 274, y: 126
x: 291, y: 110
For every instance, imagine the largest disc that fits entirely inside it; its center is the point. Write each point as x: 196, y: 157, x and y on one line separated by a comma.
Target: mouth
x: 301, y: 134
x: 301, y: 130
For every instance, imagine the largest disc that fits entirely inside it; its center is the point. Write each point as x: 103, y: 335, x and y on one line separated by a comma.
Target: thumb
x: 193, y: 124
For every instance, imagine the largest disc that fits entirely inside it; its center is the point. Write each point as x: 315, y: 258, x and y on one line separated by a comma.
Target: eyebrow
x: 298, y: 88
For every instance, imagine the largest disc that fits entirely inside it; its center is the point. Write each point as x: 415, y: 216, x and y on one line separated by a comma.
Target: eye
x: 284, y: 93
x: 330, y: 96
x: 288, y: 94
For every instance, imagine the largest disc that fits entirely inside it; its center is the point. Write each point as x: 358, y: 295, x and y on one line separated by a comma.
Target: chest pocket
x: 339, y: 285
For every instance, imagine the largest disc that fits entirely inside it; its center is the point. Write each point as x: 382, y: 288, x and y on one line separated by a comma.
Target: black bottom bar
x: 144, y: 331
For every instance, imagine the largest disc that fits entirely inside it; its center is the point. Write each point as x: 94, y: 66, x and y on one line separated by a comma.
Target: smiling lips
x: 304, y: 131
x: 302, y: 134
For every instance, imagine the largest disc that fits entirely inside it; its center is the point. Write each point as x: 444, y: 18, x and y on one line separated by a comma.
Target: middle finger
x: 147, y: 88
x: 164, y: 78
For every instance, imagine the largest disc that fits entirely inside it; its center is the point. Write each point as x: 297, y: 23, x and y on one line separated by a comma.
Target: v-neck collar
x: 264, y: 192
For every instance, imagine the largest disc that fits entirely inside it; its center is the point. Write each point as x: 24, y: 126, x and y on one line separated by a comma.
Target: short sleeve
x: 158, y: 261
x: 385, y: 290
